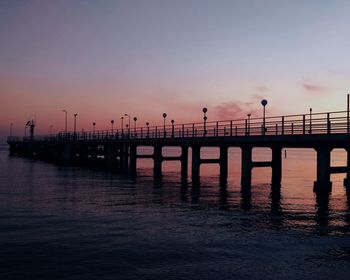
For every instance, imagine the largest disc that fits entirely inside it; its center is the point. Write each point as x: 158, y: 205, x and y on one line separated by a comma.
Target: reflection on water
x: 61, y: 222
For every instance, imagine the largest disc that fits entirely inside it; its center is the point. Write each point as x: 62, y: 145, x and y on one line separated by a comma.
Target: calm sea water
x: 64, y: 222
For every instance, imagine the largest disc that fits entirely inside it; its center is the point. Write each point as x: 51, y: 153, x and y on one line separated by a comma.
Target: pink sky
x: 148, y: 57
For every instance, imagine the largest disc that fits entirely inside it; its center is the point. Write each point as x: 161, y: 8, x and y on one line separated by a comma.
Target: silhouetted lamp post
x: 65, y: 122
x: 93, y: 127
x: 164, y: 117
x: 127, y: 115
x: 205, y: 110
x: 122, y: 118
x: 147, y: 124
x: 310, y: 130
x: 11, y: 126
x: 112, y: 123
x: 75, y: 123
x: 249, y: 123
x: 172, y: 128
x: 264, y: 103
x: 135, y: 120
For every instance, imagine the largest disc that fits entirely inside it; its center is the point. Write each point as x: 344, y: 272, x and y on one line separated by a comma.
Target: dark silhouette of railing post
x: 231, y: 128
x: 348, y: 114
x: 303, y: 124
x: 328, y: 124
x: 282, y: 126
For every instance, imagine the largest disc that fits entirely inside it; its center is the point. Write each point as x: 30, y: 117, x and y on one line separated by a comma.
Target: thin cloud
x: 314, y: 88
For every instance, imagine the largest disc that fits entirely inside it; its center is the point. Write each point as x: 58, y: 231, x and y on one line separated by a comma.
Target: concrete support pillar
x: 323, y: 182
x: 276, y: 166
x: 246, y: 177
x: 223, y: 164
x: 347, y: 178
x: 184, y: 163
x: 196, y: 162
x: 157, y: 160
x: 133, y: 159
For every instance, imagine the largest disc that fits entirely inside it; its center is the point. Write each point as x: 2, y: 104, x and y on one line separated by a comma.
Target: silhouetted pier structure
x: 117, y: 149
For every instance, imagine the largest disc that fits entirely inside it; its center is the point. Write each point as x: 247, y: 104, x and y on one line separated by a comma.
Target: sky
x: 102, y: 59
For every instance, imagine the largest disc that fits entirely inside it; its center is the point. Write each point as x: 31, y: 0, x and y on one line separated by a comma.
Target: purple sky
x: 102, y: 59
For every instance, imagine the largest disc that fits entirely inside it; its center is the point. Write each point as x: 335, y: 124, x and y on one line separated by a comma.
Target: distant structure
x: 31, y: 125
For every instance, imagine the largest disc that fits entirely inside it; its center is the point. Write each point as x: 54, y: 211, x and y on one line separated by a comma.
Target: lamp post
x: 264, y: 103
x: 112, y: 123
x: 75, y: 123
x: 164, y: 117
x: 172, y: 128
x: 93, y: 127
x: 122, y: 119
x: 65, y: 122
x: 127, y: 115
x: 147, y: 124
x: 205, y: 110
x: 310, y: 130
x: 249, y: 123
x: 135, y: 120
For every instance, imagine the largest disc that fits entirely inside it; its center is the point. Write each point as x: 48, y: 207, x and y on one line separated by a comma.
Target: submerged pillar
x: 323, y: 182
x: 196, y: 162
x: 223, y: 164
x: 157, y: 160
x: 184, y: 163
x: 276, y: 166
x: 246, y: 177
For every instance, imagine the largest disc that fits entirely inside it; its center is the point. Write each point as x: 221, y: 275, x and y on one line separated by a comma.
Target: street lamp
x: 147, y: 124
x: 135, y: 120
x: 65, y: 122
x: 93, y: 127
x: 264, y: 103
x: 164, y: 116
x: 205, y: 110
x: 249, y: 123
x: 122, y: 118
x: 112, y: 123
x: 127, y: 115
x: 75, y: 123
x: 310, y: 131
x: 172, y: 128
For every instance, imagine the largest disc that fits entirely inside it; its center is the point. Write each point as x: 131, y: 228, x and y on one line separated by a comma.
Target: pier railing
x: 313, y: 123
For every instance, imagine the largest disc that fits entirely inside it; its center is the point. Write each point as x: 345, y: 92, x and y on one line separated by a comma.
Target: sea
x: 73, y: 222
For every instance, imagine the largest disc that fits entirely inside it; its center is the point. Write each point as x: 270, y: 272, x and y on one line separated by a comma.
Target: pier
x: 118, y: 149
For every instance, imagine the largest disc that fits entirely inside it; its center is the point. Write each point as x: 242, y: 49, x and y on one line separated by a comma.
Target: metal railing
x: 316, y: 123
